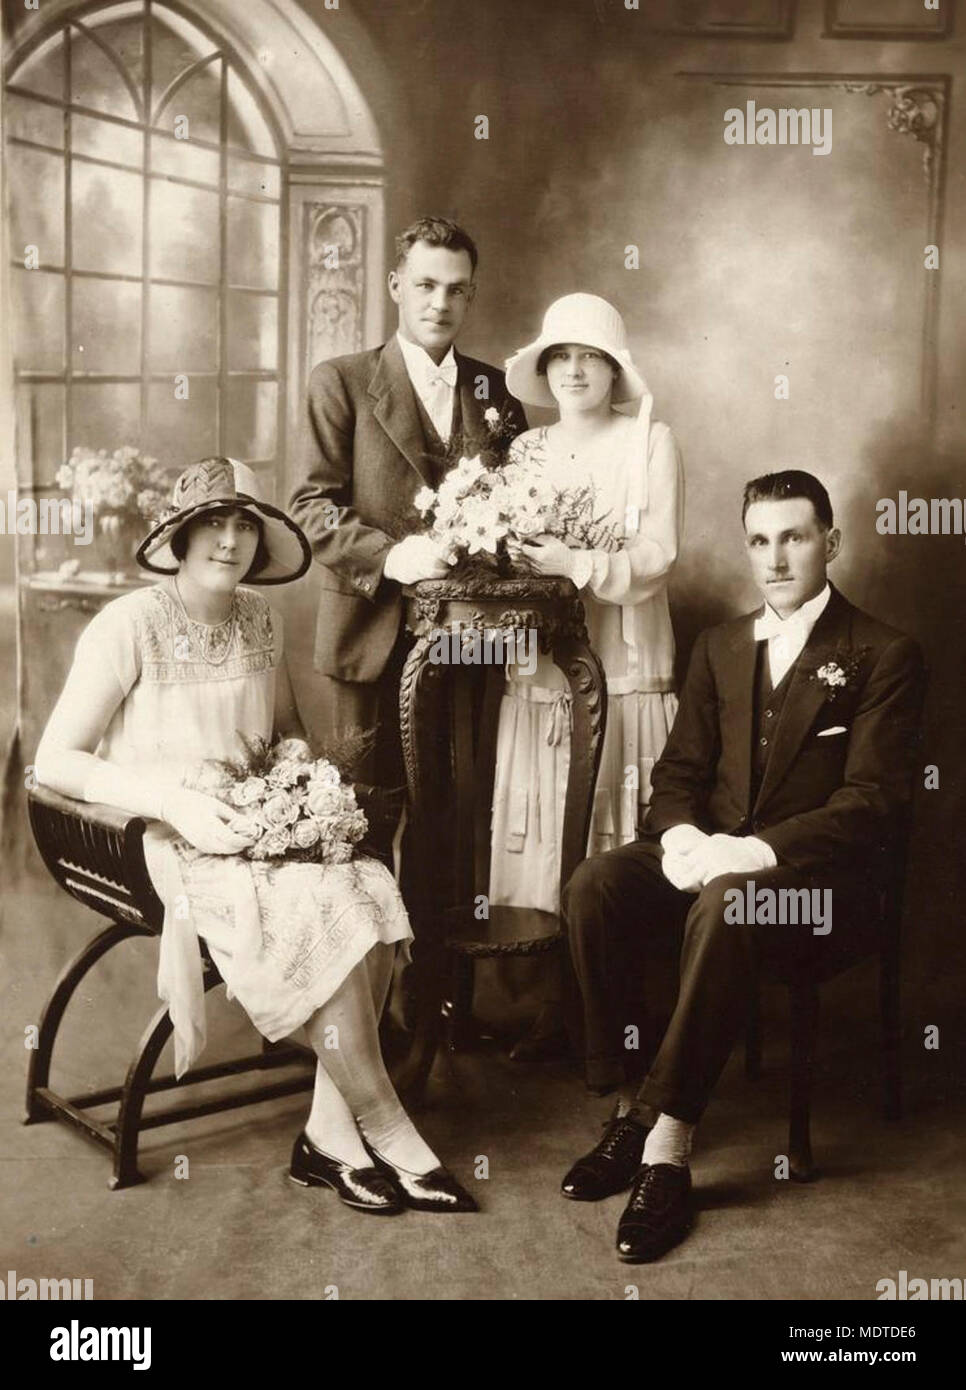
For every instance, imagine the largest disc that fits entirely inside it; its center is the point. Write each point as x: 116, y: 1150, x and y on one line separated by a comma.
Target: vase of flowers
x: 126, y: 489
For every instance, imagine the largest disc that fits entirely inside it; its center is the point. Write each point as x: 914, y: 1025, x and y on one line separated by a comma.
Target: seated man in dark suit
x: 789, y: 767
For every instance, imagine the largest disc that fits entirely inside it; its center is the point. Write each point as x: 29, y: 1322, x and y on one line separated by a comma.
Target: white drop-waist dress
x: 284, y: 935
x: 624, y: 593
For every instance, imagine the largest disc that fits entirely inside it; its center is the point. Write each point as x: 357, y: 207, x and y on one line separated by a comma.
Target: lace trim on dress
x: 175, y: 648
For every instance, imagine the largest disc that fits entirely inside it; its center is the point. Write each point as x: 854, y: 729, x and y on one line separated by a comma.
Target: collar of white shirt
x: 797, y: 625
x: 423, y: 371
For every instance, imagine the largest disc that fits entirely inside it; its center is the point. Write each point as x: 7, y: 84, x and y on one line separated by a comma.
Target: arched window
x: 144, y: 181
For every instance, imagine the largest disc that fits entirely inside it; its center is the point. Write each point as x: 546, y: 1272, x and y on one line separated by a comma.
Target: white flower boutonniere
x: 839, y: 675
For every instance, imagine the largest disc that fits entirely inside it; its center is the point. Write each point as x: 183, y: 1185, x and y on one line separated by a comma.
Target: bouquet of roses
x: 484, y: 500
x: 292, y: 804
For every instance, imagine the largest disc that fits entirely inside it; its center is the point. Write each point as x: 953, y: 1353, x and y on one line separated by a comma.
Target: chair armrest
x: 93, y: 811
x: 96, y: 853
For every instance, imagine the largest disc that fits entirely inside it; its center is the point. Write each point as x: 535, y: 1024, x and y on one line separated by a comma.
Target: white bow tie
x: 770, y: 625
x: 444, y: 375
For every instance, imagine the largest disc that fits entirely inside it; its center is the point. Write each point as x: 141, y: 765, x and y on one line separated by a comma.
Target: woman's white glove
x: 203, y: 821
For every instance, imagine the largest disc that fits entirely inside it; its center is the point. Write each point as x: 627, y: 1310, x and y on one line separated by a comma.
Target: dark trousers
x: 345, y: 705
x: 620, y: 910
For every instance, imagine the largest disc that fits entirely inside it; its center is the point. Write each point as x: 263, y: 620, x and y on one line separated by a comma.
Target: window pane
x: 106, y: 140
x: 106, y: 221
x: 184, y: 232
x: 251, y: 422
x: 95, y: 81
x: 183, y: 336
x: 184, y: 160
x: 107, y: 326
x: 252, y: 244
x: 38, y: 321
x: 43, y: 71
x: 247, y: 127
x: 200, y: 101
x: 36, y: 184
x: 252, y: 332
x: 32, y: 120
x: 245, y: 176
x: 107, y: 414
x: 181, y: 431
x: 40, y: 431
x: 175, y: 46
x: 125, y: 36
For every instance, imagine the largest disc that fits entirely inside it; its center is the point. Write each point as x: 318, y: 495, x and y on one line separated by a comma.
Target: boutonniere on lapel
x: 838, y: 675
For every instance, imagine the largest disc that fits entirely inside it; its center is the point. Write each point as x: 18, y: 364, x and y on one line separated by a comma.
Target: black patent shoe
x: 658, y: 1214
x: 610, y: 1167
x: 366, y: 1189
x: 437, y: 1190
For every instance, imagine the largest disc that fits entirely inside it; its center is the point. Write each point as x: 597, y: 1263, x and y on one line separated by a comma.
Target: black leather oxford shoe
x: 610, y: 1167
x: 657, y: 1215
x: 436, y: 1190
x: 366, y: 1189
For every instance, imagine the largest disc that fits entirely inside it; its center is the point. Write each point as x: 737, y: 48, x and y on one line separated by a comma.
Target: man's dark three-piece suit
x: 821, y: 771
x: 368, y: 446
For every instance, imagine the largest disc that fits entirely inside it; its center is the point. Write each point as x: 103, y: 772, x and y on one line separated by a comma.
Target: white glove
x: 736, y: 854
x: 203, y: 821
x: 415, y: 558
x: 682, y: 839
x: 683, y: 861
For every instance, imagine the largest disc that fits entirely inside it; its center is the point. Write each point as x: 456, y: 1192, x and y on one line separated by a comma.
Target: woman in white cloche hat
x: 166, y: 681
x: 581, y: 365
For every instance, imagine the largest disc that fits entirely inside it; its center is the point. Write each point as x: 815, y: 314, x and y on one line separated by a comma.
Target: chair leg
x: 38, y: 1070
x: 462, y: 1033
x: 804, y: 1032
x: 753, y: 1037
x: 889, y: 1000
x: 127, y: 1127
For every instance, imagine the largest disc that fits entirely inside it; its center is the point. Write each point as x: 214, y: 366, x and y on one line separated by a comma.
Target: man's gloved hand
x: 735, y: 854
x: 415, y: 558
x: 203, y: 821
x: 683, y: 862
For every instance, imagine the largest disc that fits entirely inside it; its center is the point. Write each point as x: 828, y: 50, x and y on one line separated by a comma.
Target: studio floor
x: 890, y: 1197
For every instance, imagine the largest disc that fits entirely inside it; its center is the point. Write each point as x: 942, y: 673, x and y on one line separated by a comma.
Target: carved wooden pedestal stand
x: 448, y: 715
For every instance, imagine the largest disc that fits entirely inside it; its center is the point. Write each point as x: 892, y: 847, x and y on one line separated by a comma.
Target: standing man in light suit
x: 377, y: 429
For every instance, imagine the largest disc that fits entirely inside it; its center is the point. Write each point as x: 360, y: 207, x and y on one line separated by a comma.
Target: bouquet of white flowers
x: 292, y: 804
x: 125, y: 481
x: 478, y: 505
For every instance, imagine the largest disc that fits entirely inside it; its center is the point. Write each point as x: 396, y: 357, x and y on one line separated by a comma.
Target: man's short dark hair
x: 179, y: 541
x: 793, y: 482
x: 436, y: 231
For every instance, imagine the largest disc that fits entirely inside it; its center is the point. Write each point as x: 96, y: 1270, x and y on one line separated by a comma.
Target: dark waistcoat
x: 768, y: 708
x: 436, y: 448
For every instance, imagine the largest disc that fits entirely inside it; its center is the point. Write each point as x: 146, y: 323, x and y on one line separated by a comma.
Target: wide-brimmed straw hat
x: 222, y: 482
x: 576, y: 318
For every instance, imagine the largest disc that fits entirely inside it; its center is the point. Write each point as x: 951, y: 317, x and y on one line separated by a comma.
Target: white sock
x: 669, y: 1142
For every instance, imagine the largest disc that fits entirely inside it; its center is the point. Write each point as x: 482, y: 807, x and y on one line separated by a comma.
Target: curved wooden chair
x: 803, y: 991
x: 96, y: 854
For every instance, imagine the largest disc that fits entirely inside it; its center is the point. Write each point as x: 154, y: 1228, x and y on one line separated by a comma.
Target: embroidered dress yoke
x: 624, y: 593
x: 284, y: 936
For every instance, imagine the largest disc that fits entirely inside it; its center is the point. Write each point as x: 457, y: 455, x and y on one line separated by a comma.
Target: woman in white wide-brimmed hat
x: 167, y: 679
x: 581, y: 365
